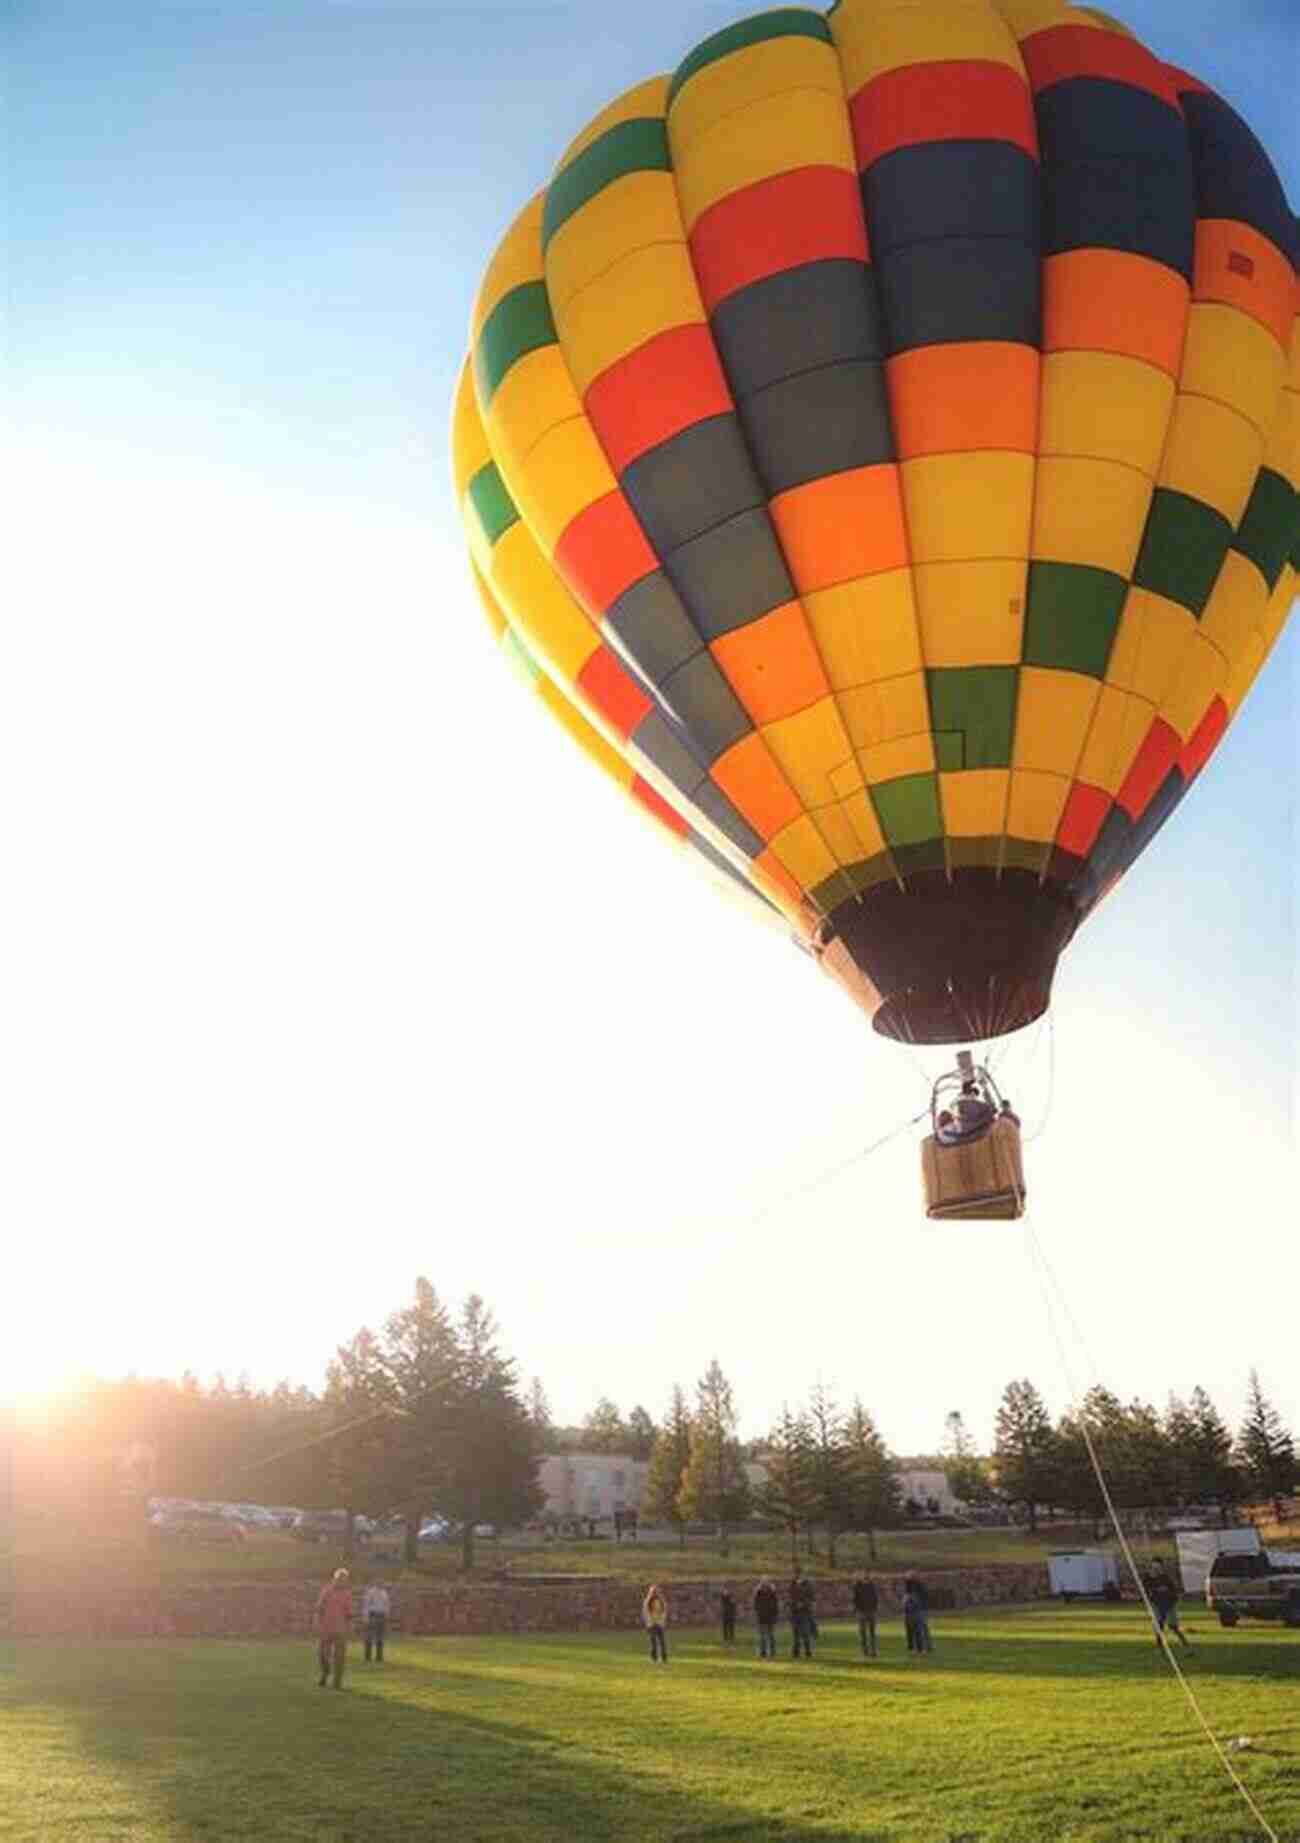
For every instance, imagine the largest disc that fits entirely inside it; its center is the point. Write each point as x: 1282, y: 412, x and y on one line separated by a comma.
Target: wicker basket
x: 983, y: 1180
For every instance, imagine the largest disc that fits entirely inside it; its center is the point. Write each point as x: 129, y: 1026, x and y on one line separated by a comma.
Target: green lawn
x: 1043, y: 1726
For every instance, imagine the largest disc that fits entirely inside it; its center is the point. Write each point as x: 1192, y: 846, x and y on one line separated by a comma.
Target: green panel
x: 978, y: 702
x: 861, y: 877
x: 1268, y: 524
x: 1024, y: 854
x: 496, y: 510
x: 638, y: 146
x: 1072, y: 614
x: 1182, y: 549
x: 908, y: 808
x: 520, y: 322
x: 786, y: 22
x: 950, y: 751
x: 520, y: 657
x: 913, y: 859
x: 975, y: 853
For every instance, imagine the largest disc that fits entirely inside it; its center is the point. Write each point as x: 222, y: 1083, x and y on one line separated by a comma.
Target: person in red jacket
x: 333, y: 1623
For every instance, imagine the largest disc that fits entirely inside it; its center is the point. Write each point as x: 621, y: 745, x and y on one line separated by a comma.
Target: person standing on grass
x: 766, y: 1609
x: 866, y: 1604
x: 1164, y: 1603
x: 917, y: 1620
x: 333, y: 1621
x: 375, y: 1608
x: 727, y: 1601
x: 654, y: 1616
x: 801, y: 1615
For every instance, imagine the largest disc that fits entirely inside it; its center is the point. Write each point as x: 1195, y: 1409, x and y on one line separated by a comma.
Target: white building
x: 591, y: 1485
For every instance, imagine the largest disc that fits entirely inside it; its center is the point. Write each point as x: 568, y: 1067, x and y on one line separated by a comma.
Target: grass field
x: 1045, y: 1726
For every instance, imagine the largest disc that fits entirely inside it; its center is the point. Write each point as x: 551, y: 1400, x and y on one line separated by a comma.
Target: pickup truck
x: 1254, y: 1587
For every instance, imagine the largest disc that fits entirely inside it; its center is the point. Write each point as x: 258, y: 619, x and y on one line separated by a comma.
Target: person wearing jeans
x: 866, y: 1603
x: 801, y: 1614
x: 375, y: 1607
x: 766, y: 1608
x: 333, y: 1618
x: 654, y: 1615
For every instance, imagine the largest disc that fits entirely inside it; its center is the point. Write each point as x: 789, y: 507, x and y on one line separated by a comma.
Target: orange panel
x: 773, y: 664
x: 1236, y: 265
x: 842, y: 526
x: 771, y: 867
x: 1111, y: 301
x: 980, y: 394
x: 756, y: 787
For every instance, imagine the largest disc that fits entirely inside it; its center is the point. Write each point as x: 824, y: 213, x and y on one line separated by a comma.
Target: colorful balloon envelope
x: 879, y: 444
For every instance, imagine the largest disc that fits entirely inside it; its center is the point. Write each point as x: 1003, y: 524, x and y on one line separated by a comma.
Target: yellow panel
x: 1283, y: 451
x: 644, y: 100
x: 847, y: 781
x: 469, y: 442
x: 1028, y: 16
x: 1036, y: 804
x: 842, y: 837
x: 566, y: 473
x: 1236, y: 606
x: 861, y: 815
x: 886, y: 761
x: 1153, y: 635
x: 804, y: 852
x: 540, y: 606
x: 1104, y: 406
x: 809, y: 747
x: 1212, y: 454
x: 1201, y: 678
x: 1245, y: 670
x: 480, y: 550
x: 518, y: 259
x: 974, y: 801
x: 968, y: 505
x: 971, y: 614
x: 535, y: 396
x: 865, y: 629
x: 1090, y: 512
x: 773, y: 67
x: 1053, y: 712
x: 777, y: 135
x: 644, y: 294
x: 1118, y: 726
x: 588, y: 738
x: 632, y: 212
x: 1233, y: 358
x: 891, y: 708
x: 874, y: 37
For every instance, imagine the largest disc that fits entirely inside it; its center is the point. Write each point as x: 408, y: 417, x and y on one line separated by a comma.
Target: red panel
x: 603, y: 551
x: 1062, y: 52
x: 1160, y: 750
x: 608, y: 684
x: 959, y: 100
x: 671, y: 382
x: 1084, y: 815
x: 779, y: 223
x: 1184, y: 80
x: 645, y: 793
x: 1204, y: 740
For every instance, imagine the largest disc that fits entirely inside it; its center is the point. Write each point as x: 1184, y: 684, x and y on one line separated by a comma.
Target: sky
x: 331, y: 963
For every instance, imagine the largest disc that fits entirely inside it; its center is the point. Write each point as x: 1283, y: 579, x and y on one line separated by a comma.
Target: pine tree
x: 787, y: 1494
x: 641, y: 1433
x: 828, y: 1467
x: 603, y: 1430
x: 874, y: 1492
x: 668, y: 1461
x: 715, y: 1487
x: 1217, y: 1478
x: 962, y: 1467
x: 1023, y: 1447
x: 539, y: 1413
x: 1266, y: 1447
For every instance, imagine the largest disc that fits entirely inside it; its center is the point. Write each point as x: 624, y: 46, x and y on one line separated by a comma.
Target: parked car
x: 204, y: 1523
x: 1254, y: 1587
x: 328, y: 1526
x: 434, y: 1529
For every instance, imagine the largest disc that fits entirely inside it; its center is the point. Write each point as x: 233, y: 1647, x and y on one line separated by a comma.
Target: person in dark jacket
x: 866, y: 1604
x: 802, y: 1616
x: 1163, y: 1596
x: 727, y: 1602
x: 918, y: 1622
x: 766, y: 1610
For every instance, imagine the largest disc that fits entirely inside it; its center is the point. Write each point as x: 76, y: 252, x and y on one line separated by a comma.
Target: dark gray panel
x: 731, y: 574
x: 1140, y: 206
x: 799, y: 320
x: 692, y: 482
x: 965, y: 288
x: 821, y: 422
x: 714, y: 804
x: 950, y: 189
x: 705, y: 707
x: 666, y: 747
x: 648, y: 627
x: 715, y: 857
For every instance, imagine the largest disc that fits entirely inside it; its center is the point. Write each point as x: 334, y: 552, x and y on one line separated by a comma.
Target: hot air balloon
x: 880, y: 444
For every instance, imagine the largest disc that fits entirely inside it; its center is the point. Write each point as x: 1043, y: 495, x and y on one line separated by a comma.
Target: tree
x: 787, y: 1493
x: 874, y: 1492
x: 603, y: 1430
x: 357, y: 1463
x: 1266, y: 1448
x: 641, y: 1433
x: 539, y: 1413
x: 491, y: 1474
x: 1023, y: 1448
x: 962, y: 1467
x: 422, y: 1364
x: 828, y: 1468
x: 668, y: 1461
x: 1216, y: 1478
x: 715, y: 1487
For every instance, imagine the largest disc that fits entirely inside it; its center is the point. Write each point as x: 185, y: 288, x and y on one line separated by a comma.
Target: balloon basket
x: 980, y: 1181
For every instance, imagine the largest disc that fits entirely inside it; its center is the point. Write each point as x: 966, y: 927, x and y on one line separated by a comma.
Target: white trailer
x: 1198, y: 1548
x: 1082, y: 1573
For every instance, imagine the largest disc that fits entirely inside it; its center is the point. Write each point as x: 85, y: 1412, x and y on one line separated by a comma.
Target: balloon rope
x: 1046, y: 1276
x: 802, y: 1190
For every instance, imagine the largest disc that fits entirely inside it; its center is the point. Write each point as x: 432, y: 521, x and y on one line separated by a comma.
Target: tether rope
x: 1046, y: 1278
x: 802, y: 1190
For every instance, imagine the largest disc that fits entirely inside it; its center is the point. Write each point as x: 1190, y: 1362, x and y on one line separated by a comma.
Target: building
x: 591, y: 1486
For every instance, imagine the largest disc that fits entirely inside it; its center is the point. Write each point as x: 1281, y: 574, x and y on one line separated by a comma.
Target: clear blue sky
x: 274, y: 1049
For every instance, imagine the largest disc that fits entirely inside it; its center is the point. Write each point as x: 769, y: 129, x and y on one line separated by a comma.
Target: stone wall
x: 269, y: 1609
